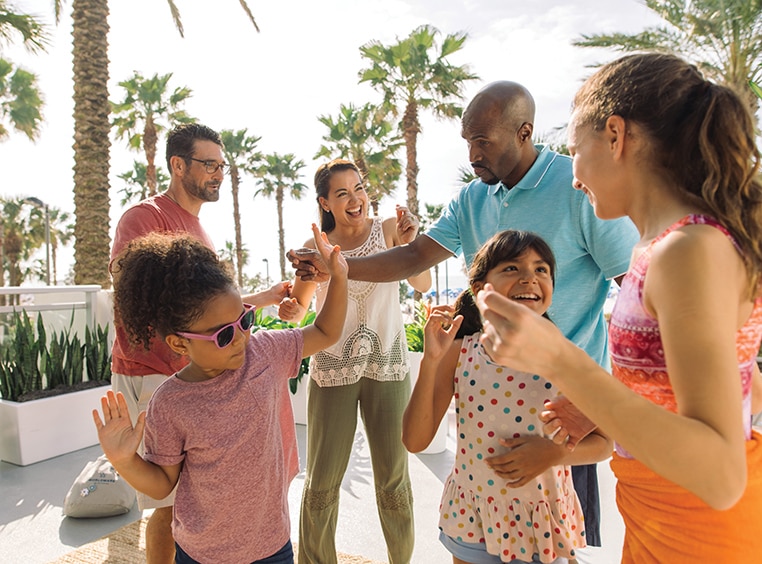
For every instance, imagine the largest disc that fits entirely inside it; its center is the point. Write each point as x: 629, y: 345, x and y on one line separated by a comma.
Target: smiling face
x: 593, y: 168
x: 525, y: 279
x: 196, y: 181
x: 347, y: 199
x: 207, y: 360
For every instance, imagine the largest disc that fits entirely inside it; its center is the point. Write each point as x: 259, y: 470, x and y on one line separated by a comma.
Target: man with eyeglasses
x: 197, y: 169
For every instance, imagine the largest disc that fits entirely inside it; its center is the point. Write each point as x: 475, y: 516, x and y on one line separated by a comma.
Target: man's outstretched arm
x: 394, y: 264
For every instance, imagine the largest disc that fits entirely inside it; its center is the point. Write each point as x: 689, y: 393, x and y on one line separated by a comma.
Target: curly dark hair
x: 503, y: 246
x: 163, y: 282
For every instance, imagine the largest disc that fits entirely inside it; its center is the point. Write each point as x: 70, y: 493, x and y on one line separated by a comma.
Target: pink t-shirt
x: 236, y: 438
x: 157, y: 214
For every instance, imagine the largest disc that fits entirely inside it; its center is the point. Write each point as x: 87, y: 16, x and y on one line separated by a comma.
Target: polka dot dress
x: 542, y: 517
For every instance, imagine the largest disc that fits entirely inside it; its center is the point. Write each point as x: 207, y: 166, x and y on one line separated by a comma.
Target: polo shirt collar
x: 535, y: 174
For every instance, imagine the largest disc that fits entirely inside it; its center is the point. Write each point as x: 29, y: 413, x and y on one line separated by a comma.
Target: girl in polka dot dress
x: 509, y: 497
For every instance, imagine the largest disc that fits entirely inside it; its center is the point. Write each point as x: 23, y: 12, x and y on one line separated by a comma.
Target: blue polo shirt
x: 589, y: 251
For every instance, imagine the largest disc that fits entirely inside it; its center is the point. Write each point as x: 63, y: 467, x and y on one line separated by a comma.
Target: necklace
x: 168, y: 195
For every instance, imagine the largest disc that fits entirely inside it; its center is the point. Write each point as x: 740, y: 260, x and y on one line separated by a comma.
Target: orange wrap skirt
x: 666, y: 524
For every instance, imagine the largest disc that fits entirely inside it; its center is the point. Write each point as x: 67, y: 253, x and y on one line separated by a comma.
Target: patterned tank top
x: 637, y: 354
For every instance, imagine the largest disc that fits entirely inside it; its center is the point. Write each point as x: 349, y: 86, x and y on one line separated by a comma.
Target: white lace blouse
x: 372, y: 344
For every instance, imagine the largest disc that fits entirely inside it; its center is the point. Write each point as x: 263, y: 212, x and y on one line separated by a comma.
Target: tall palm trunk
x: 53, y: 254
x: 91, y: 142
x: 372, y: 191
x: 235, y: 181
x: 281, y: 232
x: 411, y: 128
x: 149, y: 145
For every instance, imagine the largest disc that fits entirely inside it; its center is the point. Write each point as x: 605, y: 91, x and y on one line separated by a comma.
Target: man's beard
x: 201, y: 191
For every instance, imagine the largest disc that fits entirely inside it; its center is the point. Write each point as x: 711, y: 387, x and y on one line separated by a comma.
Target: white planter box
x: 36, y: 430
x: 439, y: 442
x: 299, y: 401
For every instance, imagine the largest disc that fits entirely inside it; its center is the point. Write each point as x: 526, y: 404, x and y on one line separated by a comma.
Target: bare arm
x: 698, y: 333
x: 435, y: 385
x: 328, y: 325
x: 294, y: 307
x: 531, y: 455
x: 120, y: 441
x: 756, y: 390
x: 394, y: 264
x: 400, y: 262
x: 272, y: 296
x: 403, y: 231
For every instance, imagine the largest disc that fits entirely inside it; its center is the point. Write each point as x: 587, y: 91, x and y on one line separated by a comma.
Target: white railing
x: 89, y: 299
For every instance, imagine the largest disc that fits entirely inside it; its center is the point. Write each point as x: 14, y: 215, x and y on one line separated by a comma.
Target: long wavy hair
x: 701, y: 136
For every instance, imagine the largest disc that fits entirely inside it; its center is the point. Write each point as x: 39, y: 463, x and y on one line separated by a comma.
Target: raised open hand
x: 439, y: 331
x: 335, y: 263
x: 407, y: 225
x: 118, y: 437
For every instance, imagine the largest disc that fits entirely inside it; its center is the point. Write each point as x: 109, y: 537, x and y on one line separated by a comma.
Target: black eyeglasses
x: 225, y: 335
x: 212, y: 166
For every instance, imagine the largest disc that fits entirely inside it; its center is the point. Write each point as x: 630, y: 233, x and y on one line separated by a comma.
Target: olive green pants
x: 331, y: 425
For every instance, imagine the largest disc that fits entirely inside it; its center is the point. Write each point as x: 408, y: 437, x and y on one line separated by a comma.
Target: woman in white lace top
x: 368, y: 367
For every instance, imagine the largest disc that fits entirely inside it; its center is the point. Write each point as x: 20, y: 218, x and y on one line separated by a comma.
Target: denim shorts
x: 284, y: 556
x: 476, y: 552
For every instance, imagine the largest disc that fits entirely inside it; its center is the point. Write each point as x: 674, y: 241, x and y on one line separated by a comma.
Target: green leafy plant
x: 756, y: 88
x: 414, y: 329
x: 98, y: 353
x: 263, y: 321
x: 31, y: 365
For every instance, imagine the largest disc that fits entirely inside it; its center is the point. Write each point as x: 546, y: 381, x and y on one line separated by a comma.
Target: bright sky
x: 303, y: 64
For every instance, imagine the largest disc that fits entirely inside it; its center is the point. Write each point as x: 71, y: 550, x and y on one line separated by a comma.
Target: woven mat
x: 128, y: 546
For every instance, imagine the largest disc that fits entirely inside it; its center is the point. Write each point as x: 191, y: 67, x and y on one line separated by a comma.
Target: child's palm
x: 118, y: 437
x: 440, y: 330
x: 331, y: 254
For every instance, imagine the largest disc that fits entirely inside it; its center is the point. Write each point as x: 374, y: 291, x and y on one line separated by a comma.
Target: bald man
x: 529, y: 187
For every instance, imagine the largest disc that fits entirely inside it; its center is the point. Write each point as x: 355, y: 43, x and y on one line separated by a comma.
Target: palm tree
x: 240, y: 153
x: 136, y: 183
x: 722, y: 37
x: 147, y: 110
x: 61, y: 233
x: 365, y: 136
x: 20, y: 100
x: 33, y: 33
x: 23, y: 229
x: 276, y: 174
x: 409, y: 77
x: 91, y: 135
x: 91, y: 141
x: 465, y: 175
